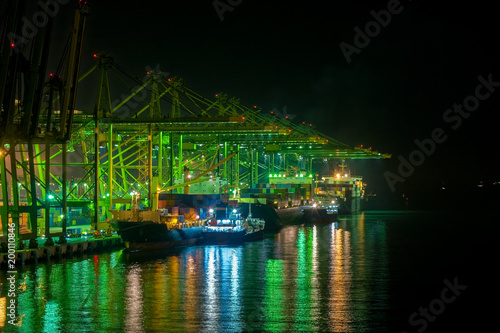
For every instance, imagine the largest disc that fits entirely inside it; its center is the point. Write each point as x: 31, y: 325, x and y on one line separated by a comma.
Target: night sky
x: 282, y: 54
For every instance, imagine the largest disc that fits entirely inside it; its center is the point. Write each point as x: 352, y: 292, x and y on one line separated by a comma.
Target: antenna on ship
x: 342, y: 166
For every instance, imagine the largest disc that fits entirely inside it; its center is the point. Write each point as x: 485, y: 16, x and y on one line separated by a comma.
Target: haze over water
x: 366, y: 273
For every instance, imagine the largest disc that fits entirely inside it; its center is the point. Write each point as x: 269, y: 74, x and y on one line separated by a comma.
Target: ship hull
x: 149, y: 235
x: 254, y: 236
x: 275, y: 218
x: 223, y: 237
x: 318, y: 215
x: 231, y: 238
x: 349, y: 205
x: 292, y: 215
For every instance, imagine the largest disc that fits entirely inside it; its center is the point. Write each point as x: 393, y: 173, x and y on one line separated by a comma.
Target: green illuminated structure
x: 59, y: 165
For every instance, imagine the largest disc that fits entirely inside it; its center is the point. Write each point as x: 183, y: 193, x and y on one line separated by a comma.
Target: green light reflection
x: 273, y: 299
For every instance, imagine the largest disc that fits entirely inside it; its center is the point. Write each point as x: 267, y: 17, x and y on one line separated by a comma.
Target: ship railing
x: 186, y: 224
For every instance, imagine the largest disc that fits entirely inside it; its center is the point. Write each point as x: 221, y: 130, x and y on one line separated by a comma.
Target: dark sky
x: 282, y: 53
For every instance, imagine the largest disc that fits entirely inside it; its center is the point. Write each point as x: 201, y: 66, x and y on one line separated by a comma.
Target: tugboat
x: 233, y: 230
x: 347, y: 190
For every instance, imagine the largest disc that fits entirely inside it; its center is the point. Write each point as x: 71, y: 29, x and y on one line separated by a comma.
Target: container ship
x: 281, y: 201
x: 343, y: 189
x: 285, y: 199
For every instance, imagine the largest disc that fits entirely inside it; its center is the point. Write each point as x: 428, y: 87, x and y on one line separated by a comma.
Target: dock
x: 74, y: 247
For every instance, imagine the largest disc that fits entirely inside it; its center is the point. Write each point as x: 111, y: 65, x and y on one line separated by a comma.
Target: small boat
x: 234, y: 230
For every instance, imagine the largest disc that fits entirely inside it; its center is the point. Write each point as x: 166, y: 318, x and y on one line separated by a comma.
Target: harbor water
x: 375, y: 271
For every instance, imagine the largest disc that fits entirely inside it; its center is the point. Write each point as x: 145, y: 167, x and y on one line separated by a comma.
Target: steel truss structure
x: 160, y: 137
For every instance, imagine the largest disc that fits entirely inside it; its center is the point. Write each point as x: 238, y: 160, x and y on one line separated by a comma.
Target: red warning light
x: 51, y: 74
x: 95, y: 55
x: 243, y: 118
x: 12, y: 45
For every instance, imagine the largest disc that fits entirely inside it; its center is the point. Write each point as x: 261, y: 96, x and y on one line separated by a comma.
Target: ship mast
x: 342, y: 166
x: 135, y: 205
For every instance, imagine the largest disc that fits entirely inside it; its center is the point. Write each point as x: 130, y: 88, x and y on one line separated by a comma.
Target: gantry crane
x: 158, y: 136
x: 29, y: 129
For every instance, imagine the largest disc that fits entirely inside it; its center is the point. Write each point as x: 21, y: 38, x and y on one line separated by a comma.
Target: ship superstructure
x: 344, y: 189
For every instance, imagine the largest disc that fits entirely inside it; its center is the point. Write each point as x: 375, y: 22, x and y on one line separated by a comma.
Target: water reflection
x: 340, y: 277
x: 134, y: 301
x: 273, y: 300
x: 222, y: 302
x: 324, y: 277
x: 190, y: 304
x: 211, y: 304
